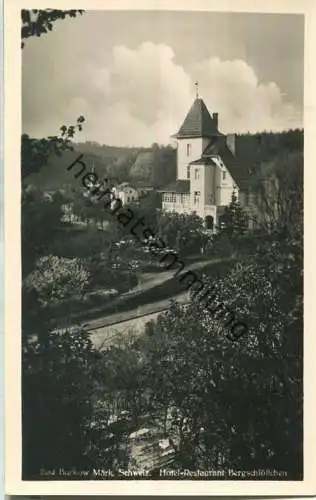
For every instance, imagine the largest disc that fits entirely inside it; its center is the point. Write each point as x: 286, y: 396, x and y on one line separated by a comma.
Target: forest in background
x: 154, y: 166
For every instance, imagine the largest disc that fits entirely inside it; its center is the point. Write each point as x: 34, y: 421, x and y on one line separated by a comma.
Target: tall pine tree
x: 234, y: 217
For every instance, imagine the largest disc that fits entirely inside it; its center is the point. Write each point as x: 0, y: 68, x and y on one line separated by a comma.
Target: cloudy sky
x: 132, y: 74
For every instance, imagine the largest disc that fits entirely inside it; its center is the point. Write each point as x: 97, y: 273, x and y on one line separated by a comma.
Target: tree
x: 183, y: 232
x: 164, y: 165
x: 90, y: 209
x: 52, y: 287
x: 58, y: 380
x: 56, y: 279
x: 41, y: 223
x: 148, y: 207
x: 36, y: 22
x: 277, y: 187
x: 35, y: 153
x: 58, y: 371
x: 120, y: 170
x: 234, y: 218
x: 241, y: 401
x: 155, y: 166
x: 124, y: 374
x: 142, y: 167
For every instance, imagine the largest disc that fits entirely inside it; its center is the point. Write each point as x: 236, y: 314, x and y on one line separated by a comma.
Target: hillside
x: 156, y: 165
x: 105, y: 152
x: 55, y: 174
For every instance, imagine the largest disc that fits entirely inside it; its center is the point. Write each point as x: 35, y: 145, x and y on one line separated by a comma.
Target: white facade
x: 204, y: 183
x: 176, y: 202
x: 210, y: 186
x: 189, y: 150
x: 126, y: 193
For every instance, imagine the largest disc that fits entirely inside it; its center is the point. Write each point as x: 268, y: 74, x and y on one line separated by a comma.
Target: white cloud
x: 145, y: 95
x: 243, y: 103
x: 140, y: 96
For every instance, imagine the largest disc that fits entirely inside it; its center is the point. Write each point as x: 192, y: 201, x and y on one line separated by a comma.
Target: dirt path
x: 123, y: 315
x: 129, y: 323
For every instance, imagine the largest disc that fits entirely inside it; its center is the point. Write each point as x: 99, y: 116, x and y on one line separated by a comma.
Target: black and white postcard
x: 156, y: 158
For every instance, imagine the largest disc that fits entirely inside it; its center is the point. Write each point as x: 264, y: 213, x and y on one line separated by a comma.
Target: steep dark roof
x: 237, y: 167
x: 179, y: 186
x: 237, y: 164
x: 198, y: 122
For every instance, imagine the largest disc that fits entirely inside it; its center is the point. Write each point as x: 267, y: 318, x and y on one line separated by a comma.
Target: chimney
x: 215, y: 119
x: 231, y: 143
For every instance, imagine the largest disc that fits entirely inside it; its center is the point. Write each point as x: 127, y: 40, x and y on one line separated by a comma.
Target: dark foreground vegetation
x: 223, y: 404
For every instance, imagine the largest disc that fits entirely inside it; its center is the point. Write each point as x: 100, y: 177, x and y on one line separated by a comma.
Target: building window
x: 196, y: 197
x: 189, y: 149
x: 169, y: 198
x: 188, y: 172
x: 128, y: 199
x: 196, y: 174
x: 224, y: 175
x: 184, y: 199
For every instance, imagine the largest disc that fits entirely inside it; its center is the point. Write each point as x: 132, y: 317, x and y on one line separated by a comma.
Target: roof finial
x: 197, y: 89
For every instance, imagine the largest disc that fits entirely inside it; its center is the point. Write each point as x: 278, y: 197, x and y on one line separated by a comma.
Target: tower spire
x: 197, y: 89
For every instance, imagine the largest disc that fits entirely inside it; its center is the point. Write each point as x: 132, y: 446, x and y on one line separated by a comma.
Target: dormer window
x: 189, y: 147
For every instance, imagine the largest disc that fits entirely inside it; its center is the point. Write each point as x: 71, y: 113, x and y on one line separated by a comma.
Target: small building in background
x: 126, y: 193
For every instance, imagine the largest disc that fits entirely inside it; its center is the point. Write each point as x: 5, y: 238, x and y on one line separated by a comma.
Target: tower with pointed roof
x: 194, y: 135
x: 209, y: 169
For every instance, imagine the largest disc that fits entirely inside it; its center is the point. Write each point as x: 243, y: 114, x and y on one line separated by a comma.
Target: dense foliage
x: 238, y: 404
x: 41, y: 223
x: 245, y: 395
x: 57, y: 384
x: 35, y: 153
x: 37, y: 22
x: 234, y: 218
